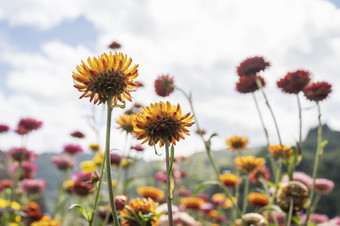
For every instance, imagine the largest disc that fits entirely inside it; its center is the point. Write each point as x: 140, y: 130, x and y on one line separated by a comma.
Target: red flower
x: 114, y: 45
x: 252, y: 65
x: 82, y: 188
x: 164, y: 85
x: 77, y: 134
x: 63, y: 162
x: 137, y: 148
x: 257, y: 174
x: 21, y: 154
x: 115, y: 159
x: 317, y: 91
x: 3, y: 128
x: 247, y: 84
x: 294, y: 82
x: 27, y: 125
x: 73, y: 149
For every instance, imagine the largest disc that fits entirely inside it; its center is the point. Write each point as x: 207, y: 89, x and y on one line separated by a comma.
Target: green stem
x: 300, y: 118
x: 108, y: 163
x: 245, y: 194
x: 97, y: 191
x: 290, y: 213
x: 318, y: 154
x: 167, y: 163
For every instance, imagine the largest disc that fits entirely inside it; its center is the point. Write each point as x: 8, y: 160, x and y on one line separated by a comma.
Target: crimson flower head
x: 138, y: 148
x: 317, y: 91
x: 77, y: 134
x: 114, y: 45
x: 33, y: 186
x: 21, y: 154
x: 247, y: 84
x: 4, y: 128
x: 63, y: 162
x: 164, y: 85
x: 252, y: 66
x: 27, y: 125
x: 294, y: 82
x: 115, y: 159
x: 72, y: 149
x: 28, y: 170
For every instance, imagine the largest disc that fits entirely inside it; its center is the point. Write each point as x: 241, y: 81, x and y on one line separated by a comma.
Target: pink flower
x: 27, y: 125
x: 301, y: 177
x: 164, y: 85
x: 206, y: 207
x: 33, y: 186
x: 63, y: 162
x: 318, y: 218
x: 82, y: 188
x: 115, y: 159
x: 138, y: 148
x: 120, y: 202
x: 274, y: 214
x: 28, y: 170
x: 21, y: 154
x: 252, y: 66
x: 4, y: 128
x: 161, y: 176
x: 323, y: 186
x: 73, y: 149
x: 77, y: 134
x: 80, y: 176
x: 258, y: 173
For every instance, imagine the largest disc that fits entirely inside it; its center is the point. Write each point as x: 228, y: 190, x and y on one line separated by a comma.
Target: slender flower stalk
x: 290, y: 213
x: 318, y: 154
x: 300, y: 118
x: 245, y: 195
x: 168, y: 183
x: 108, y: 162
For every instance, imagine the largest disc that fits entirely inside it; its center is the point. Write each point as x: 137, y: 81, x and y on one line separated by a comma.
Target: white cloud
x: 200, y: 43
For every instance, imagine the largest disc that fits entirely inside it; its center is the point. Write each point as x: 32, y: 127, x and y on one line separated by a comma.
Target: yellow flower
x: 88, y: 166
x: 151, y: 192
x: 106, y: 76
x: 124, y: 162
x: 192, y: 202
x: 94, y: 147
x: 247, y: 164
x: 7, y: 203
x: 279, y: 151
x: 230, y: 180
x: 162, y: 121
x: 45, y: 221
x: 98, y: 158
x: 139, y: 206
x: 126, y: 122
x: 68, y: 183
x: 237, y: 143
x: 228, y: 204
x: 257, y: 200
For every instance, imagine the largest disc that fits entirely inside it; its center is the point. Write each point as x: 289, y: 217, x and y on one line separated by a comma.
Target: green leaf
x: 156, y: 151
x: 172, y: 182
x: 296, y: 219
x: 81, y: 209
x: 202, y: 186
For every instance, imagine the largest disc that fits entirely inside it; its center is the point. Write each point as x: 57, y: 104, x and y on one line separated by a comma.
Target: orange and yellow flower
x: 46, y: 220
x: 108, y: 76
x: 280, y: 151
x: 228, y: 203
x: 94, y: 147
x: 160, y: 122
x: 145, y: 207
x: 151, y: 192
x: 192, y: 202
x: 248, y: 163
x: 257, y: 200
x: 126, y: 122
x: 230, y: 180
x: 237, y: 143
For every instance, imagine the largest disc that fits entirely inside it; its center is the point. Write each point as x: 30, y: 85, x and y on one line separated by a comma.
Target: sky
x: 197, y: 42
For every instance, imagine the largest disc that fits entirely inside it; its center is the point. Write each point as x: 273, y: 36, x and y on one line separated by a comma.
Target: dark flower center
x: 163, y: 127
x: 110, y: 84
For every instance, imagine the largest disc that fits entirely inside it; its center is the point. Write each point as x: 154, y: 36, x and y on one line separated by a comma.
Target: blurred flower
x: 32, y: 213
x: 323, y: 186
x: 218, y: 198
x: 114, y: 45
x: 104, y: 212
x: 88, y: 166
x: 120, y: 202
x: 94, y: 147
x: 316, y: 219
x: 95, y: 177
x: 5, y: 183
x: 294, y: 82
x: 81, y: 188
x: 183, y: 191
x: 279, y: 151
x: 274, y: 214
x: 21, y: 154
x: 145, y: 207
x: 81, y: 176
x: 317, y: 91
x: 63, y: 162
x: 301, y: 177
x: 201, y: 132
x: 258, y: 173
x: 151, y: 192
x: 115, y: 159
x: 77, y: 134
x: 27, y: 125
x: 227, y: 204
x: 252, y: 65
x: 98, y: 158
x: 33, y: 186
x: 206, y: 207
x: 230, y: 180
x: 106, y: 76
x: 257, y: 200
x: 252, y: 219
x: 192, y: 202
x: 8, y: 203
x: 46, y: 221
x: 27, y: 172
x: 125, y: 122
x: 237, y: 143
x: 4, y: 128
x: 247, y: 84
x: 73, y: 149
x: 248, y: 163
x: 295, y: 191
x: 161, y: 176
x: 160, y: 121
x: 164, y: 85
x: 136, y: 107
x: 138, y: 148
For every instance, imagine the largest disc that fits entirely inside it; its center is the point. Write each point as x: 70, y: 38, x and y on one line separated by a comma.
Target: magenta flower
x: 4, y: 128
x: 28, y: 170
x: 21, y: 154
x: 80, y: 176
x: 115, y: 159
x: 138, y: 148
x: 161, y: 176
x: 77, y: 134
x: 274, y: 214
x: 318, y: 218
x: 252, y: 65
x: 317, y: 91
x: 33, y: 186
x: 323, y: 186
x: 27, y: 125
x: 301, y: 177
x: 164, y: 85
x: 82, y: 188
x: 73, y: 149
x: 206, y: 207
x: 63, y: 162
